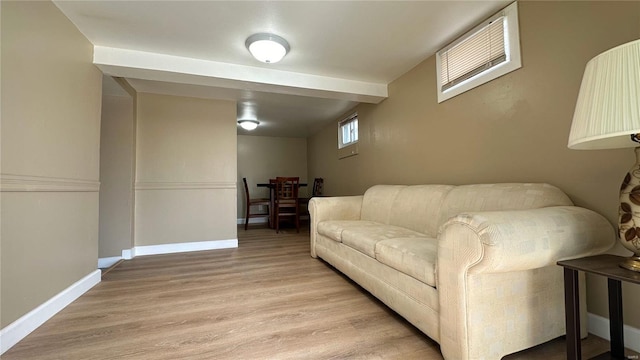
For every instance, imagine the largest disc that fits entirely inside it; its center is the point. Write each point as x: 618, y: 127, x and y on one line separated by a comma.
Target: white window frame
x: 512, y: 51
x: 350, y: 120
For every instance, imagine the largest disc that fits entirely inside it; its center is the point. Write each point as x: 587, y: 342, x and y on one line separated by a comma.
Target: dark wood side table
x: 605, y: 265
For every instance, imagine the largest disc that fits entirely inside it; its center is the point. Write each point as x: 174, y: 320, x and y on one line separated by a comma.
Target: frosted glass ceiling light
x: 267, y: 48
x: 249, y: 124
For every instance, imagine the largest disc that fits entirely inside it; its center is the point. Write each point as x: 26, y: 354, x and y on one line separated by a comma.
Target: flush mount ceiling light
x: 268, y: 48
x: 249, y: 124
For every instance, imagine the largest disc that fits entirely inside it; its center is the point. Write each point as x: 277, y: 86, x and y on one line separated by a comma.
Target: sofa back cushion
x: 423, y: 208
x: 498, y: 197
x: 377, y: 201
x: 415, y: 207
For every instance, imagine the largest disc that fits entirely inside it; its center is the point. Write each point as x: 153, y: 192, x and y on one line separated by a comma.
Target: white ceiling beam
x: 183, y: 70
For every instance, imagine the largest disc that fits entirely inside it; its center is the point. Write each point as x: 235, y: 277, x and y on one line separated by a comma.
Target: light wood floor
x: 267, y: 299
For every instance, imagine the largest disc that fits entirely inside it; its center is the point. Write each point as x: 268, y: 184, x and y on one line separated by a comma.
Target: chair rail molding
x: 22, y: 183
x: 165, y: 185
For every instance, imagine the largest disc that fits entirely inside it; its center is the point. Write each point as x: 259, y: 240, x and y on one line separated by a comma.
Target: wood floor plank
x: 267, y: 299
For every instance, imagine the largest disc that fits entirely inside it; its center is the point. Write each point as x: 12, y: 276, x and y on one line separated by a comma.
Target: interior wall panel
x: 512, y: 129
x: 50, y: 142
x: 186, y: 165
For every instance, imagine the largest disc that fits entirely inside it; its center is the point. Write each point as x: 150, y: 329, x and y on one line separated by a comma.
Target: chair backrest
x: 287, y: 188
x: 317, y: 187
x: 246, y: 190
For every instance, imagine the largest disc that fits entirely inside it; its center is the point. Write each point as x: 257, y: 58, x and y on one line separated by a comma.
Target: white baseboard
x: 183, y: 247
x: 599, y: 326
x: 263, y: 220
x: 104, y: 263
x: 19, y: 329
x: 129, y: 254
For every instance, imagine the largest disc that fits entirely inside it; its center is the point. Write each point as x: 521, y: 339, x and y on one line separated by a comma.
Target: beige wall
x: 261, y: 158
x: 514, y: 128
x: 186, y: 166
x: 50, y: 156
x: 117, y: 175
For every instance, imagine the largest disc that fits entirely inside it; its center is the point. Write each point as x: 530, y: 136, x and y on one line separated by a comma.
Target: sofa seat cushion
x: 365, y: 238
x: 333, y: 229
x: 413, y: 256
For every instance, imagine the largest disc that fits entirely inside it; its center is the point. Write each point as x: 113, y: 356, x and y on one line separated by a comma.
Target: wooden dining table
x: 272, y: 198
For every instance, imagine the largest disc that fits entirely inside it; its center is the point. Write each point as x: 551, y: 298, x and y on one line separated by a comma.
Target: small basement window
x: 348, y: 136
x: 348, y: 131
x: 487, y: 52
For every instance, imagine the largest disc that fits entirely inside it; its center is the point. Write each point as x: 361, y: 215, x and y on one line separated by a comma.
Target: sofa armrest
x: 493, y: 265
x: 332, y: 208
x: 500, y: 241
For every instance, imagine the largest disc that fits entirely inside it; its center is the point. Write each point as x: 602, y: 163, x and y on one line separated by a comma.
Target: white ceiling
x: 342, y: 52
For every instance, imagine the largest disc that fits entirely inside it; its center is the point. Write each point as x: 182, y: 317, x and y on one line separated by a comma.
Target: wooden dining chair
x: 318, y: 185
x: 255, y: 202
x: 316, y: 190
x: 286, y: 203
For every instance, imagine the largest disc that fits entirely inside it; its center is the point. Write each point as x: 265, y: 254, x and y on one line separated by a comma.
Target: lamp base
x: 631, y: 263
x: 629, y: 215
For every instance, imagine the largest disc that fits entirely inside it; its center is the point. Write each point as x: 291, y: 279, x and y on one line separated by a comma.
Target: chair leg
x: 269, y: 216
x: 246, y: 218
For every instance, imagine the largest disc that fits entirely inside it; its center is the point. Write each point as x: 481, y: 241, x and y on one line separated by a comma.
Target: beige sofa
x: 473, y: 266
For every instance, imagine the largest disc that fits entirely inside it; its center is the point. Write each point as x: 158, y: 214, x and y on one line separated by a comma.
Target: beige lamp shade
x: 607, y: 116
x: 608, y: 108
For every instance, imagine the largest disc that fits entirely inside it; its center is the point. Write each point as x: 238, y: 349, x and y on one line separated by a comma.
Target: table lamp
x: 607, y: 116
